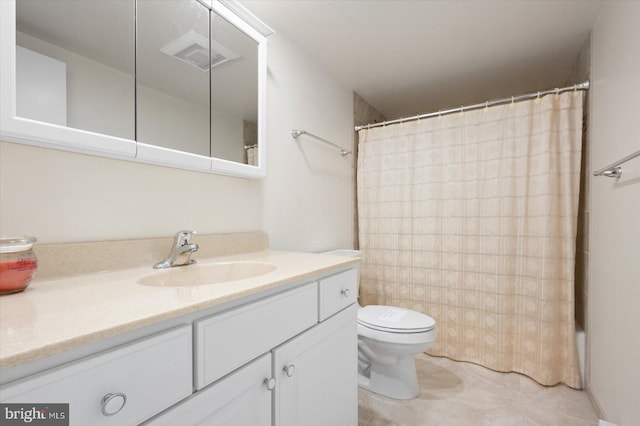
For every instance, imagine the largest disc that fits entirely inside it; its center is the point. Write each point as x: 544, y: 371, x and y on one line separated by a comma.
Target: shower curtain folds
x: 471, y: 218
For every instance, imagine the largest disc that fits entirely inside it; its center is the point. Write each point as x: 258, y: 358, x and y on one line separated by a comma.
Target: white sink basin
x: 206, y: 274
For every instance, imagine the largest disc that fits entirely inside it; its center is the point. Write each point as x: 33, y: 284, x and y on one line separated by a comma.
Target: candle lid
x: 16, y: 244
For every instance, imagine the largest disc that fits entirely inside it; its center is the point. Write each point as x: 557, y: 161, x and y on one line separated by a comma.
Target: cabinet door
x: 317, y: 375
x: 240, y: 399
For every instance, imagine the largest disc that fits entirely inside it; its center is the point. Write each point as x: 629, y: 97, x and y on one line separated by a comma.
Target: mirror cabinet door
x: 234, y: 93
x: 173, y: 70
x: 75, y: 64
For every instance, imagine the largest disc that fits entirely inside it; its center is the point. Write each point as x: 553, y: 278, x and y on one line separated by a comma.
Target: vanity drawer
x: 229, y: 340
x: 153, y: 374
x: 337, y: 292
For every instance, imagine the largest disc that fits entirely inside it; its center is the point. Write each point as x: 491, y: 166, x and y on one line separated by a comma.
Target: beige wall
x: 308, y: 197
x: 65, y: 197
x: 614, y: 280
x: 305, y: 203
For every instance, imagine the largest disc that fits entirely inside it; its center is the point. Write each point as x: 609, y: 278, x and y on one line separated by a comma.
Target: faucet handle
x: 180, y: 253
x: 183, y: 238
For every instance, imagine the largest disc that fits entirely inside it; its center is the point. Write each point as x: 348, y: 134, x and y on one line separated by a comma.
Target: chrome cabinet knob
x: 112, y: 403
x: 270, y: 383
x: 289, y: 370
x: 345, y: 292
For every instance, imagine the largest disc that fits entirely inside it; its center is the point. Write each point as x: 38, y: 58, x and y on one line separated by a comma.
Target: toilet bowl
x: 389, y: 338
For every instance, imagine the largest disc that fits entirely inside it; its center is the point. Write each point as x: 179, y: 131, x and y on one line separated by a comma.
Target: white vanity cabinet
x: 307, y: 368
x: 313, y: 378
x: 286, y: 359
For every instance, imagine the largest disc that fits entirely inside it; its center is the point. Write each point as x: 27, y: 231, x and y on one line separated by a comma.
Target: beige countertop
x: 55, y: 315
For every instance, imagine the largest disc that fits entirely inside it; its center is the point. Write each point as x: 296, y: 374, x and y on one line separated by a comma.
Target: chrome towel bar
x: 614, y: 170
x: 296, y: 133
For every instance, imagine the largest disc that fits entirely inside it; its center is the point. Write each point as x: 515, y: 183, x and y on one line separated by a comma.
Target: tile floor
x: 460, y: 393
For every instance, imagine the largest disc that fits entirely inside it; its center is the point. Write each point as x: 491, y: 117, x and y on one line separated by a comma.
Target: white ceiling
x: 409, y: 57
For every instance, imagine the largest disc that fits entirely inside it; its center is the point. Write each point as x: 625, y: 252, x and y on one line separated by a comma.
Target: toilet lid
x: 398, y: 320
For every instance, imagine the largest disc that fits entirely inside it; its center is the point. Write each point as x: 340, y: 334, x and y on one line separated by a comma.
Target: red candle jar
x: 18, y: 263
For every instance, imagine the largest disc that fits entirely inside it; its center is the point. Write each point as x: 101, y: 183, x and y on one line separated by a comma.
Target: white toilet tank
x: 344, y: 252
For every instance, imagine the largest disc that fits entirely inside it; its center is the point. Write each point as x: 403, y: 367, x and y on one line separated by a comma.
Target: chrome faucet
x: 181, y: 251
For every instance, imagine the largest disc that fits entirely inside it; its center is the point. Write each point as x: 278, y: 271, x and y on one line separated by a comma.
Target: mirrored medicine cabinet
x: 179, y: 83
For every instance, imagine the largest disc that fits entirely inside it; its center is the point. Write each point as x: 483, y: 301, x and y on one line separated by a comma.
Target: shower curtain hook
x: 439, y: 115
x: 486, y: 105
x: 461, y: 110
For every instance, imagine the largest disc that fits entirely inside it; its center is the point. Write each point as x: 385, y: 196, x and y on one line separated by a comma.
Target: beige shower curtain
x: 471, y: 218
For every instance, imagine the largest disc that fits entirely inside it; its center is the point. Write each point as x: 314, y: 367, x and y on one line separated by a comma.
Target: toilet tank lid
x: 393, y: 318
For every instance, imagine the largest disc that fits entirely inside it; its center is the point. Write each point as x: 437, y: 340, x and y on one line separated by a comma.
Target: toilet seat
x: 397, y: 338
x: 389, y: 324
x: 394, y: 320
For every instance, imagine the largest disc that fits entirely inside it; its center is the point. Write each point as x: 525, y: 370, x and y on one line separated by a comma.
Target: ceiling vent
x: 192, y: 48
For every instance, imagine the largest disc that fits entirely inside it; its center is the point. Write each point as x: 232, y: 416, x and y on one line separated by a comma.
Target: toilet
x: 389, y: 338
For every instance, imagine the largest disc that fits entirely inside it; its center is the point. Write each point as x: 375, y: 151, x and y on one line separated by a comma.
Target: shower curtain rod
x: 580, y: 86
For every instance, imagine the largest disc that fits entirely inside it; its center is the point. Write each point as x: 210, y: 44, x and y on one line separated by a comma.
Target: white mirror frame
x: 32, y: 132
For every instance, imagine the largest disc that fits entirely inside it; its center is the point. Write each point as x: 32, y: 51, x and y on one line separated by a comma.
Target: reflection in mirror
x: 234, y: 93
x: 173, y: 67
x: 75, y: 64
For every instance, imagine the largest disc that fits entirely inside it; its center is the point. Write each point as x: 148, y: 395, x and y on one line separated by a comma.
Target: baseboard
x: 599, y: 412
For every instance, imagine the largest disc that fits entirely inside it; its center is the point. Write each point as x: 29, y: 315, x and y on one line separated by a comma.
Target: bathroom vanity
x: 275, y: 349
